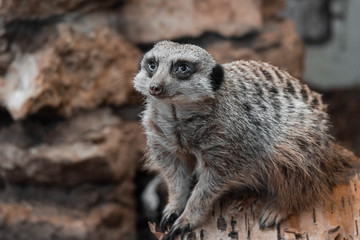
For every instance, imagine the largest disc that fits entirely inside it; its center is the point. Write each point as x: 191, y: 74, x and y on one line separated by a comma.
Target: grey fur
x: 260, y: 130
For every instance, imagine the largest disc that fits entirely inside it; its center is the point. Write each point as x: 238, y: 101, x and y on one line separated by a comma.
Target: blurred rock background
x: 70, y: 141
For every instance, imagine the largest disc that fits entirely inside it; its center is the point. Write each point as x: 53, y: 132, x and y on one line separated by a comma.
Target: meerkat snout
x: 156, y: 89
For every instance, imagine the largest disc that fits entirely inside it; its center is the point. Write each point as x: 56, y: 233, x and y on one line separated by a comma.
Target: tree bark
x: 336, y: 219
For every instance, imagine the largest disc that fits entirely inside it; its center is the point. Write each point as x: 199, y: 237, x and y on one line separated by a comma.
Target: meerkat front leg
x: 178, y: 179
x: 209, y: 187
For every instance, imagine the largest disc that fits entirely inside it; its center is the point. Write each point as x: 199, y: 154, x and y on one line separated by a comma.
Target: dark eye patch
x: 151, y: 66
x: 183, y: 70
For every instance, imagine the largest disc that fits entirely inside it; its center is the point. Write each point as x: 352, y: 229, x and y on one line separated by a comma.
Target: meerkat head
x: 178, y: 73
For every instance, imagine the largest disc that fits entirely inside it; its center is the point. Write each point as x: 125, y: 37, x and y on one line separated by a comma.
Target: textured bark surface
x: 338, y: 218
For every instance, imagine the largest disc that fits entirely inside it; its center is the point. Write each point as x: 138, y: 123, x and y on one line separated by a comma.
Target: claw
x: 167, y: 221
x: 188, y: 228
x: 172, y: 234
x: 175, y: 231
x: 270, y: 218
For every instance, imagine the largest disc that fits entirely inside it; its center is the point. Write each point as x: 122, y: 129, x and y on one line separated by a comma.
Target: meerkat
x: 244, y: 125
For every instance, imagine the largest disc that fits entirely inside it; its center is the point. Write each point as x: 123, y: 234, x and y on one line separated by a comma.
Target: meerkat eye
x: 183, y: 68
x: 152, y: 65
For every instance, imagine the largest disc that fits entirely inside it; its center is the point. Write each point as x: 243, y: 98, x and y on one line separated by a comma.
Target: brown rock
x: 93, y: 147
x: 6, y: 56
x: 150, y: 21
x: 69, y: 66
x: 69, y: 179
x: 277, y: 44
x: 87, y: 212
x: 271, y: 8
x: 12, y: 10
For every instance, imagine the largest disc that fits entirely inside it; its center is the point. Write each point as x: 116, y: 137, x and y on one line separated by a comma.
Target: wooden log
x: 336, y: 219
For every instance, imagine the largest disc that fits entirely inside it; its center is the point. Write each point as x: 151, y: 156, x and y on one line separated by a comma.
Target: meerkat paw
x: 167, y: 221
x: 180, y: 227
x: 271, y: 217
x: 170, y: 214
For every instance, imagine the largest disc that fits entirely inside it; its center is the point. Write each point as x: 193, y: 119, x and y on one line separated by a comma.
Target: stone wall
x: 69, y: 133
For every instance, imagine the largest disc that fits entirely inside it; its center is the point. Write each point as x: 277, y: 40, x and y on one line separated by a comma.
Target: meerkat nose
x: 155, y: 89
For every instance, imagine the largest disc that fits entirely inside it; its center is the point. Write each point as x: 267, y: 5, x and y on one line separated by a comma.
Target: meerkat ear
x: 217, y: 77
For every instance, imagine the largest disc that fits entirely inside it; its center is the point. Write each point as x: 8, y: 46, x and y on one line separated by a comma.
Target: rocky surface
x: 149, y: 21
x: 92, y: 147
x: 277, y: 44
x: 18, y: 10
x: 6, y: 56
x: 271, y: 9
x: 69, y: 179
x: 69, y: 66
x: 85, y: 212
x: 79, y: 61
